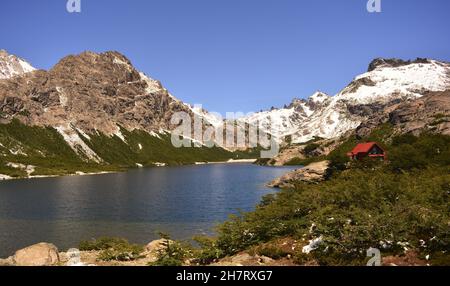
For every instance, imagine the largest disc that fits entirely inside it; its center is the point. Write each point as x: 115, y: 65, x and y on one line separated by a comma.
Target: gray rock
x: 41, y: 254
x: 429, y: 113
x: 312, y: 173
x: 7, y: 262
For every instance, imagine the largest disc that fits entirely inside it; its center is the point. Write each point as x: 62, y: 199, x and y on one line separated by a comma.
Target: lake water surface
x: 182, y: 201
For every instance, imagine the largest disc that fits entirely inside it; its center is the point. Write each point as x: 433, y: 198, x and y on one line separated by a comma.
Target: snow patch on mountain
x: 284, y: 122
x: 119, y: 134
x: 385, y: 83
x: 62, y: 96
x: 152, y: 85
x: 277, y: 122
x: 215, y: 119
x: 76, y: 143
x: 154, y: 134
x: 319, y: 97
x: 11, y: 65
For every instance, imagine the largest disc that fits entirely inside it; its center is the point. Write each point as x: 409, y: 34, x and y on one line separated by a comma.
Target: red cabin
x: 369, y: 149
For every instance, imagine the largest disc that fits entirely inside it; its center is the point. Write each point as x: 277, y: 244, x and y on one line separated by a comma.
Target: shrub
x: 208, y: 251
x: 113, y: 249
x: 338, y: 163
x: 304, y: 162
x: 367, y: 163
x: 267, y: 200
x: 234, y: 236
x: 121, y: 253
x: 409, y: 152
x: 407, y: 158
x: 271, y: 252
x: 404, y: 139
x: 172, y: 253
x: 310, y: 148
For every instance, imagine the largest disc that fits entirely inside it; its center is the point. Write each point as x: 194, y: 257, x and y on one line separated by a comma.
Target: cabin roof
x: 364, y: 147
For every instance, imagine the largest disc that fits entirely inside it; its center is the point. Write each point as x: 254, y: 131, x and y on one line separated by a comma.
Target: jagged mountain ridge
x: 284, y: 121
x: 387, y: 81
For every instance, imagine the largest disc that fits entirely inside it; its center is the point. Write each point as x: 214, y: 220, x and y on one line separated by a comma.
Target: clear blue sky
x: 232, y: 55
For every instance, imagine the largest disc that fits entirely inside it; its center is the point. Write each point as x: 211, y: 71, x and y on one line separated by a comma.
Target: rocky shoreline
x: 47, y: 254
x: 313, y: 173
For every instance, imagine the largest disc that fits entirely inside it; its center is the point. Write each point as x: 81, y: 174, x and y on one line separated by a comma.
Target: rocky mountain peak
x: 112, y: 66
x: 90, y: 59
x: 318, y: 100
x: 11, y: 65
x: 382, y: 62
x: 319, y: 96
x: 315, y: 101
x: 90, y: 92
x: 296, y: 102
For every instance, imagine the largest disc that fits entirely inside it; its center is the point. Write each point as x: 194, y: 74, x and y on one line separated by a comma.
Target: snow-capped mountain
x: 327, y: 117
x: 285, y: 121
x: 11, y: 65
x: 386, y: 82
x: 216, y: 120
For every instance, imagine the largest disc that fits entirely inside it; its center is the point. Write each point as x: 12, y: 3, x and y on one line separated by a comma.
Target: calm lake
x: 182, y: 201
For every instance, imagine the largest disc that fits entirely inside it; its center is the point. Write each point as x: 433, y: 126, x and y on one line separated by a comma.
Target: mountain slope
x: 37, y: 151
x: 429, y: 113
x: 387, y: 81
